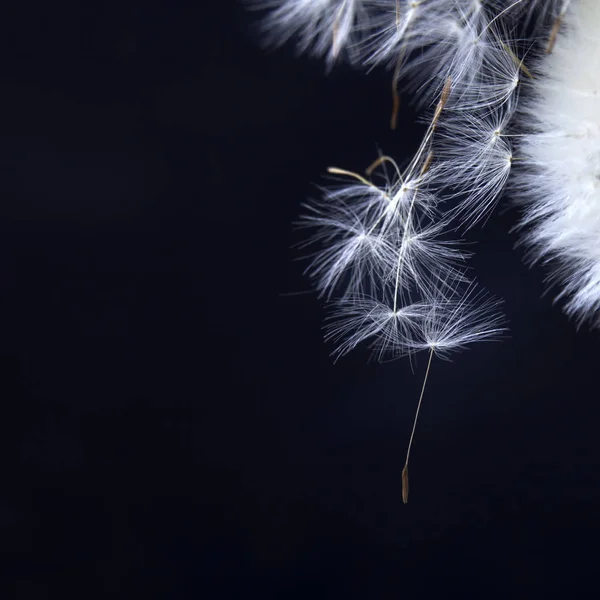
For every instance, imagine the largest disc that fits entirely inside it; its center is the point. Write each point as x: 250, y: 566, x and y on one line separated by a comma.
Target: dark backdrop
x: 171, y: 423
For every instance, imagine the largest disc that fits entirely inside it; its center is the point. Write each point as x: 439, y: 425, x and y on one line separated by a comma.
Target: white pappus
x: 558, y: 179
x: 380, y: 255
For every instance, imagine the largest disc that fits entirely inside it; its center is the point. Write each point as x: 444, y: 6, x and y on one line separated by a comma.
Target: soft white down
x: 559, y: 185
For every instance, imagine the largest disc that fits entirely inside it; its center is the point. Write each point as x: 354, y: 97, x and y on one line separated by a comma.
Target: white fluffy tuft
x: 322, y: 28
x: 559, y: 184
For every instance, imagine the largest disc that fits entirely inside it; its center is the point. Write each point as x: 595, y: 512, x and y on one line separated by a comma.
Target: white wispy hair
x: 471, y: 315
x: 478, y: 153
x: 348, y: 248
x: 472, y: 55
x: 362, y: 319
x: 365, y: 244
x: 559, y: 182
x: 321, y: 28
x: 398, y: 27
x: 540, y: 13
x: 487, y: 71
x: 441, y: 323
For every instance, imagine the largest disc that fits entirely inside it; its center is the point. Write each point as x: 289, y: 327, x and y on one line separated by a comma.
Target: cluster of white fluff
x: 559, y: 186
x: 382, y: 256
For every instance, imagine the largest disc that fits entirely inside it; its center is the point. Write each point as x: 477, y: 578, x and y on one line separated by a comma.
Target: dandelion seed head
x: 557, y: 180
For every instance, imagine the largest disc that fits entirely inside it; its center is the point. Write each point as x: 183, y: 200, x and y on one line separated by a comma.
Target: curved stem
x: 412, y: 435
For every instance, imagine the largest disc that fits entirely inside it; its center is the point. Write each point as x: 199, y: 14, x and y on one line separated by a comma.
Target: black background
x: 171, y: 423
